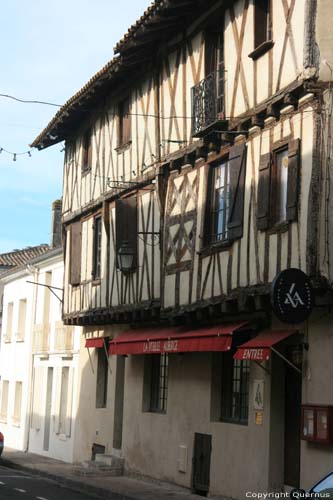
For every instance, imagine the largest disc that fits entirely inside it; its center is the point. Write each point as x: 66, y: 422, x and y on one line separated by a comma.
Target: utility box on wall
x: 317, y: 423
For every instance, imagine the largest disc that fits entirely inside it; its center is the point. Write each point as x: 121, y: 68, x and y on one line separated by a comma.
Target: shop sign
x: 292, y: 296
x: 157, y: 346
x: 259, y: 417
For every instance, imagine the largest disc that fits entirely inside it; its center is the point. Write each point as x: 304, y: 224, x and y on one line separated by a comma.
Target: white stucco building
x: 39, y: 361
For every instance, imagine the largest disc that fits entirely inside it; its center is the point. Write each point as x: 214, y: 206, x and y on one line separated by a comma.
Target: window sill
x: 156, y: 412
x: 261, y: 50
x: 96, y: 281
x: 215, y: 247
x: 123, y: 147
x: 19, y: 339
x: 232, y: 421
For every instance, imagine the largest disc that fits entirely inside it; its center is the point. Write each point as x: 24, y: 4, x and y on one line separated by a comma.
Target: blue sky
x: 48, y: 51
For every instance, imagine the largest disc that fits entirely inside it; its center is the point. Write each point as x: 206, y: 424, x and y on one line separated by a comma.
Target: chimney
x: 56, y: 229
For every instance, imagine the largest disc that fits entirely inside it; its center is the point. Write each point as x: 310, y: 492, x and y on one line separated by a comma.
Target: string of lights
x: 15, y: 155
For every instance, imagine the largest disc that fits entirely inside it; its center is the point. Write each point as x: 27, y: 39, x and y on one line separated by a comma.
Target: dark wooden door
x: 201, y: 462
x: 292, y: 441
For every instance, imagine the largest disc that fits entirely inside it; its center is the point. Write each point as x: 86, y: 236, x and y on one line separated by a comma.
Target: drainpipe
x: 34, y: 271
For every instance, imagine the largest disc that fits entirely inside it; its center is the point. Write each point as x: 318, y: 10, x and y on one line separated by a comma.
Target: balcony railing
x: 63, y: 338
x: 208, y: 105
x: 41, y: 338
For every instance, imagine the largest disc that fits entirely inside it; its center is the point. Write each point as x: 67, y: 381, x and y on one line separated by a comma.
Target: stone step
x: 109, y: 460
x: 103, y: 465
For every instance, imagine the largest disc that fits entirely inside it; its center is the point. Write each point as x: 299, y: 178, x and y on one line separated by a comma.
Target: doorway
x: 292, y: 432
x: 201, y: 463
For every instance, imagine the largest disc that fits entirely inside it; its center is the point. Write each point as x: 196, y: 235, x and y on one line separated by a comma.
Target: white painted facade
x: 45, y: 360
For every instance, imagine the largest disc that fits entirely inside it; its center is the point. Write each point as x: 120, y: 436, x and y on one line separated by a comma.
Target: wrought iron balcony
x: 208, y: 106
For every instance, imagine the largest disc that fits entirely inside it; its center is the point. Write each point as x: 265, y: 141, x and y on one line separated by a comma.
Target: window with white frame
x: 9, y: 323
x: 17, y: 403
x: 220, y: 202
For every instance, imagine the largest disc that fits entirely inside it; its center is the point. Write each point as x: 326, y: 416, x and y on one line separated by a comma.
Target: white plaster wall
x: 15, y: 362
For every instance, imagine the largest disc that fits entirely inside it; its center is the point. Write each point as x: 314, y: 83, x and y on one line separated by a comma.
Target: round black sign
x: 292, y: 296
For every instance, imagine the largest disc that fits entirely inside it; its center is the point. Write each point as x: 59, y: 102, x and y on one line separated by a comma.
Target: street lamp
x: 125, y: 258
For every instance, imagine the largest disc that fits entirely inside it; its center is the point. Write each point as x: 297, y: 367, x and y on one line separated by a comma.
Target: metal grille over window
x: 235, y: 389
x: 159, y: 383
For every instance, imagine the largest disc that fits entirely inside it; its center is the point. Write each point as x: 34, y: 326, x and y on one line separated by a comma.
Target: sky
x: 48, y: 52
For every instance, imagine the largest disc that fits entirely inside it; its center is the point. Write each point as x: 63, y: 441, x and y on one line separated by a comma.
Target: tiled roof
x: 20, y: 257
x: 56, y: 130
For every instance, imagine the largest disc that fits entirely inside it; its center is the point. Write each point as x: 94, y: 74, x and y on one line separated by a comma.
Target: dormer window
x: 124, y: 122
x: 87, y: 152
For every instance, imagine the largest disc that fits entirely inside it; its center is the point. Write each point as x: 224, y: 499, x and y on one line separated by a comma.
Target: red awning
x: 97, y: 342
x: 259, y: 348
x: 177, y: 339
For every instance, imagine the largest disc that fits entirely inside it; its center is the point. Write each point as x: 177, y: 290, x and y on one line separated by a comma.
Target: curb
x: 73, y: 484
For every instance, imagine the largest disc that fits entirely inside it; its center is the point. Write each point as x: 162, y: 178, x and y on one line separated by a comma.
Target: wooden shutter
x: 264, y: 183
x: 211, y: 41
x: 75, y: 254
x: 126, y: 224
x: 69, y: 406
x: 37, y: 397
x: 293, y: 179
x: 237, y: 171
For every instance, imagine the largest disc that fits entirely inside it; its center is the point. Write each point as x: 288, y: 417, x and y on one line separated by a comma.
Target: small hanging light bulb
x: 14, y: 157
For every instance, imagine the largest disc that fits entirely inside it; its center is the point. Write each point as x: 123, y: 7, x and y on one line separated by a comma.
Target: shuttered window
x: 124, y: 122
x: 75, y: 253
x: 278, y: 186
x: 87, y: 151
x: 126, y: 225
x: 262, y: 30
x: 9, y: 322
x: 20, y: 334
x: 17, y: 403
x: 225, y: 198
x: 97, y: 247
x: 4, y: 401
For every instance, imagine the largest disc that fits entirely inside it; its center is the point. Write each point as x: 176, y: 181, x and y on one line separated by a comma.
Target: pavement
x: 106, y: 487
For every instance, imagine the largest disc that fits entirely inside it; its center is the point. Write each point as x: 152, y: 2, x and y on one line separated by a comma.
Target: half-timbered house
x: 197, y: 168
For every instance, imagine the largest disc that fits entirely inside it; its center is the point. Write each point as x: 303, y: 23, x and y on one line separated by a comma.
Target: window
x: 278, y: 185
x: 21, y: 320
x: 4, y: 400
x: 214, y: 66
x: 262, y: 28
x: 97, y: 250
x: 9, y: 324
x: 220, y: 202
x: 102, y: 378
x: 17, y: 402
x: 235, y: 389
x: 124, y: 122
x: 225, y: 198
x: 87, y: 151
x: 75, y: 254
x: 156, y: 383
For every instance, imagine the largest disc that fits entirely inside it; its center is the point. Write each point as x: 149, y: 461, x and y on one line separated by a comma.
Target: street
x: 18, y: 485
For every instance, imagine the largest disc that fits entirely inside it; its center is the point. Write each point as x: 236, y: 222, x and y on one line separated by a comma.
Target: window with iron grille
x: 159, y: 383
x: 220, y: 202
x: 235, y: 389
x: 97, y: 250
